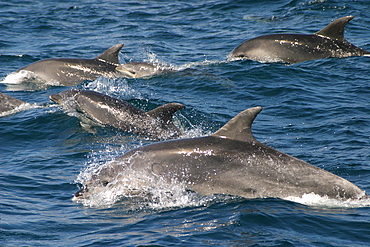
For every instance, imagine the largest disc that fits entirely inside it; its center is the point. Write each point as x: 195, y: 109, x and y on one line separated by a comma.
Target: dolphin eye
x: 105, y: 183
x: 133, y: 72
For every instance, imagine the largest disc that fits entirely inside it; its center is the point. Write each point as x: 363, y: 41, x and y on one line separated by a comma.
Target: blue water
x: 317, y: 111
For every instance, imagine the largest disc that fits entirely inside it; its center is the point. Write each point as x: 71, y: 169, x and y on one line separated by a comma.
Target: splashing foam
x: 153, y: 58
x: 206, y: 62
x: 24, y: 80
x: 22, y: 76
x: 149, y: 192
x: 261, y: 59
x: 18, y: 77
x: 23, y: 107
x: 313, y: 199
x: 117, y: 86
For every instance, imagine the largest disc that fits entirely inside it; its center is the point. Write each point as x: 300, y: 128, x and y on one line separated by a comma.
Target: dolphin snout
x: 81, y: 192
x: 56, y: 98
x: 122, y: 69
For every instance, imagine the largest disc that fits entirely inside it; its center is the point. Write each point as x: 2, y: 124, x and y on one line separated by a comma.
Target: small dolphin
x: 72, y: 71
x: 141, y: 69
x: 117, y: 113
x: 230, y: 161
x: 8, y: 103
x: 296, y: 48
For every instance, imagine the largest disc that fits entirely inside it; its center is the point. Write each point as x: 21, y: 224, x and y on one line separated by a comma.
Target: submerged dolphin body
x: 230, y: 161
x: 8, y: 103
x: 117, y: 113
x: 141, y: 69
x: 295, y: 48
x: 72, y: 71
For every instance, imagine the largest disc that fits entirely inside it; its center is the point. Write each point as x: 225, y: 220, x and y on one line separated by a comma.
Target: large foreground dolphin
x: 295, y: 48
x: 117, y: 113
x: 72, y: 71
x: 141, y: 69
x: 8, y: 103
x: 230, y: 161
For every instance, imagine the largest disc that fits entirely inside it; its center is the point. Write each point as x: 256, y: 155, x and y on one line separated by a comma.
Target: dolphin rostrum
x: 230, y: 161
x: 295, y: 48
x: 72, y: 71
x: 141, y: 69
x: 117, y: 113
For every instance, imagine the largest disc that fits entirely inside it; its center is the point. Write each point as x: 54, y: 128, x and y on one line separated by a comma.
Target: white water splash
x: 22, y: 76
x: 18, y: 77
x: 313, y: 199
x: 20, y: 108
x: 200, y: 64
x: 113, y: 87
x: 150, y: 192
x: 142, y: 192
x: 262, y: 59
x: 24, y: 80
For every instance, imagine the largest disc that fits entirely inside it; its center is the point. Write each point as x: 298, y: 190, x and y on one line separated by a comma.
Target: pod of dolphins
x: 230, y: 161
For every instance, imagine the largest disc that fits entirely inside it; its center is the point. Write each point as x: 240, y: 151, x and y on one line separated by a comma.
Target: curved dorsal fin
x: 165, y: 112
x: 239, y: 127
x: 111, y: 54
x: 335, y: 30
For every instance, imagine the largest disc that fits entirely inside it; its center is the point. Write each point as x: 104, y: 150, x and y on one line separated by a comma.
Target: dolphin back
x: 120, y: 114
x: 296, y: 48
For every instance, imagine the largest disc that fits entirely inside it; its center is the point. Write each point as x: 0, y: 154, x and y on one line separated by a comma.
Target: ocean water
x: 317, y: 111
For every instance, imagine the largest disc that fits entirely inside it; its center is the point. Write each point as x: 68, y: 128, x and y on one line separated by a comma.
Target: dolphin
x: 8, y: 103
x: 117, y: 113
x: 141, y: 69
x: 230, y: 161
x: 72, y: 71
x: 296, y: 48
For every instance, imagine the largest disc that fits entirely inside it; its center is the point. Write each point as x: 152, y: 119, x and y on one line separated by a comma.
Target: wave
x: 23, y: 107
x: 319, y: 201
x: 24, y: 80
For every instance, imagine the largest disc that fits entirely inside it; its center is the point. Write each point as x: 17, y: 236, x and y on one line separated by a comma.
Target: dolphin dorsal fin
x: 335, y: 30
x: 111, y: 54
x: 239, y: 127
x: 165, y: 112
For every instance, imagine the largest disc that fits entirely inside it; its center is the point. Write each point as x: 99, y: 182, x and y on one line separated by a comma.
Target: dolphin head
x: 97, y: 181
x: 113, y: 179
x: 65, y: 98
x: 85, y: 190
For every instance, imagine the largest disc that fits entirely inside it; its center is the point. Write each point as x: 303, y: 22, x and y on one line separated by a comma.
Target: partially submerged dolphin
x: 141, y: 69
x: 117, y: 113
x: 295, y: 48
x: 8, y: 103
x: 72, y: 71
x: 230, y: 161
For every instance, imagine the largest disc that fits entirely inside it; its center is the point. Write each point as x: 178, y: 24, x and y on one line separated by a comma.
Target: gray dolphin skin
x: 8, y: 103
x: 72, y: 71
x: 230, y: 161
x: 296, y: 48
x: 141, y: 69
x: 117, y: 113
